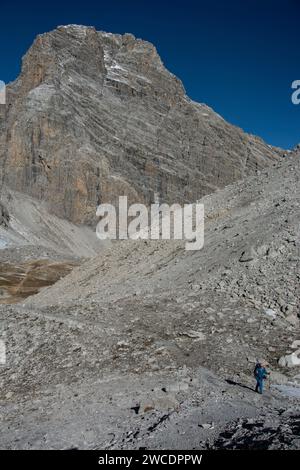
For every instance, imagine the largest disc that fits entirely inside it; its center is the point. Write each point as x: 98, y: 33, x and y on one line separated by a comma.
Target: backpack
x: 258, y: 366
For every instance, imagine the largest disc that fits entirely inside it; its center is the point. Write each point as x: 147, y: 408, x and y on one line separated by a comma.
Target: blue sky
x: 239, y: 57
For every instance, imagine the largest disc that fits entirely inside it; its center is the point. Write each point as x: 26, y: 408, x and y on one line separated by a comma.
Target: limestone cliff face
x: 95, y: 115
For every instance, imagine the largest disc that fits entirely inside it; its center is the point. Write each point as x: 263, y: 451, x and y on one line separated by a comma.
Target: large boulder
x: 290, y: 360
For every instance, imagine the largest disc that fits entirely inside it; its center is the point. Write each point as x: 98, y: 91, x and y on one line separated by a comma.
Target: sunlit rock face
x: 95, y: 115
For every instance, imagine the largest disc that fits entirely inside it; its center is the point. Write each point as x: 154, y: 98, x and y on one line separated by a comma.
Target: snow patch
x: 118, y: 67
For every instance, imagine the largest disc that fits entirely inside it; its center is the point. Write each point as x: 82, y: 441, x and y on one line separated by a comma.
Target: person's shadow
x: 232, y: 382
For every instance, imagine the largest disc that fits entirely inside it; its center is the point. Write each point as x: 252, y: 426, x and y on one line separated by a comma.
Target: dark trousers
x: 259, y: 386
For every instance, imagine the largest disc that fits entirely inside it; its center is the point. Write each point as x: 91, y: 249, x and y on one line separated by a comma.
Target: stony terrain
x: 140, y: 344
x: 150, y: 346
x: 95, y: 115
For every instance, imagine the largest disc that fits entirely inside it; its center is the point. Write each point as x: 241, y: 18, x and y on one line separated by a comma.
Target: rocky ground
x: 147, y: 345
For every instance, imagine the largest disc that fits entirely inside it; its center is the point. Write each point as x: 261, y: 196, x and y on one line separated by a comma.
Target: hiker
x: 260, y: 373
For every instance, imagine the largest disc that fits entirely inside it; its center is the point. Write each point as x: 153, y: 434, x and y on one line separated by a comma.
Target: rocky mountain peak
x: 95, y: 55
x: 95, y: 115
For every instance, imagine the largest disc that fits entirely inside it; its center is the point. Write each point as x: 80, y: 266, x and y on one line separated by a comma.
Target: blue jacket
x: 260, y: 373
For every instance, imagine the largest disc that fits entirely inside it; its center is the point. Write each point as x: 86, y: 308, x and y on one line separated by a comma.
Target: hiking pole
x: 269, y: 381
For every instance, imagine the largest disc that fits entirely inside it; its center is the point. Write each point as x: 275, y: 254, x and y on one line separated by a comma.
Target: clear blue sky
x: 239, y: 57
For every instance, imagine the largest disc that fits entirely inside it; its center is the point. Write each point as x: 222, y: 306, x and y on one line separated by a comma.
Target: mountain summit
x: 95, y: 115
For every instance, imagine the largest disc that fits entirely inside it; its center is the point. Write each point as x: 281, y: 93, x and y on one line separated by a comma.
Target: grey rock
x: 111, y: 334
x: 247, y: 255
x: 95, y: 115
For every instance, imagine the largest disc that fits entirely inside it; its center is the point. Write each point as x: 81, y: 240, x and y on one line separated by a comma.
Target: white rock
x: 290, y: 360
x: 197, y: 335
x: 207, y: 425
x: 270, y: 312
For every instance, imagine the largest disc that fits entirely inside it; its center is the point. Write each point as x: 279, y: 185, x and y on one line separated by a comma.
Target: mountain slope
x: 131, y: 334
x: 27, y: 230
x: 251, y: 237
x: 95, y: 115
